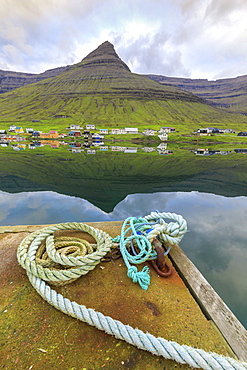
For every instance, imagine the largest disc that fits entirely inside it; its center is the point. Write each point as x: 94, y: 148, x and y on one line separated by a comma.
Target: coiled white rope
x: 79, y: 265
x: 171, y: 232
x: 38, y: 275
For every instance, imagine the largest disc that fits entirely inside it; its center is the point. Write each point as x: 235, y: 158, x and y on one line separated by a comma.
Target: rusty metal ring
x: 161, y: 272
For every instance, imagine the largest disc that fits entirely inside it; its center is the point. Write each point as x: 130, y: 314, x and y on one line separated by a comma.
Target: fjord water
x: 208, y: 191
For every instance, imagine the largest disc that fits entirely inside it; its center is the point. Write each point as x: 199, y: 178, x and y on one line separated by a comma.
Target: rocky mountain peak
x: 106, y: 48
x: 104, y: 54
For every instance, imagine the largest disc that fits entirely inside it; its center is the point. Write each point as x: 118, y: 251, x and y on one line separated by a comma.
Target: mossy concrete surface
x: 34, y: 335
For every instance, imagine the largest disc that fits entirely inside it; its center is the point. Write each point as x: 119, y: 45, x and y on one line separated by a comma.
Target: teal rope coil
x: 26, y: 252
x: 145, y: 251
x: 143, y: 231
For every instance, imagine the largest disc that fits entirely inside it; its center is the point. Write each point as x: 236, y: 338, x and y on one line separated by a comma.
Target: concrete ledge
x: 34, y: 335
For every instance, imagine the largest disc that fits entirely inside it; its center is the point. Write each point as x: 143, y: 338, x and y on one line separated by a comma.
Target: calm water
x: 109, y: 186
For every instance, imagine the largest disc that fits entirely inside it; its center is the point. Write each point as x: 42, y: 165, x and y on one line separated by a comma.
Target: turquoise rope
x: 134, y: 226
x: 142, y: 232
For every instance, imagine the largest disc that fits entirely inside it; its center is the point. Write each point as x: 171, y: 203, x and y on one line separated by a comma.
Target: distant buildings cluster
x: 78, y: 131
x: 94, y: 141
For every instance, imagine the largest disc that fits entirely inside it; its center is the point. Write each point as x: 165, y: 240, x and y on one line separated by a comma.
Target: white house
x: 117, y: 148
x: 29, y: 130
x: 148, y: 149
x: 131, y: 130
x: 117, y: 131
x: 149, y: 132
x: 97, y: 136
x: 163, y: 137
x: 98, y: 143
x: 75, y: 127
x: 103, y: 131
x: 130, y: 150
x: 204, y: 131
x: 227, y: 131
x: 208, y: 130
x: 76, y: 150
x: 91, y: 151
x: 162, y: 146
x: 167, y: 129
x: 90, y: 127
x: 12, y: 128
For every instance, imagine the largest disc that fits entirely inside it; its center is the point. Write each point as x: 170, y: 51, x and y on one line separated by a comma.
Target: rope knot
x: 171, y: 232
x: 141, y: 277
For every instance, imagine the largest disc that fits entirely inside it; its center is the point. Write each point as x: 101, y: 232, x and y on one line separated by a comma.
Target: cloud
x: 152, y: 52
x: 211, y: 37
x: 176, y: 38
x: 44, y: 33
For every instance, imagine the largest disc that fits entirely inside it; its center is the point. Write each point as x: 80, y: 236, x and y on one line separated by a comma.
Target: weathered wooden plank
x: 211, y: 303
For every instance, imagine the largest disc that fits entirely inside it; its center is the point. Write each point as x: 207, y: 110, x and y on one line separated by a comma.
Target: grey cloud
x: 152, y: 52
x: 220, y: 10
x: 45, y: 32
x: 37, y: 35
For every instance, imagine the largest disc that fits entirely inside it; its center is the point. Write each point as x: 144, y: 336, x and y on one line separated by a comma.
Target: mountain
x: 228, y: 93
x: 10, y: 80
x: 101, y: 89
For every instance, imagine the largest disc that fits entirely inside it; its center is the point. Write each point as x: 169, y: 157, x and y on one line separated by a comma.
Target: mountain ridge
x: 101, y: 88
x: 10, y: 80
x: 228, y: 93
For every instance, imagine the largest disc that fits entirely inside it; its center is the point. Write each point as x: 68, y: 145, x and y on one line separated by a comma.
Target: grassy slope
x: 101, y: 90
x: 229, y: 92
x: 112, y: 111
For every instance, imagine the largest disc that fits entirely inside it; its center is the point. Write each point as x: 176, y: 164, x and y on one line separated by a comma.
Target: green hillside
x: 102, y: 90
x: 228, y: 94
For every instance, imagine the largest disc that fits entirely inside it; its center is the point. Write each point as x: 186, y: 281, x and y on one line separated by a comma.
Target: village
x: 89, y: 132
x: 93, y: 139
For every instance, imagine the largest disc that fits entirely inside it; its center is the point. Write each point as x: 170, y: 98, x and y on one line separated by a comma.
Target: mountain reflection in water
x: 215, y: 242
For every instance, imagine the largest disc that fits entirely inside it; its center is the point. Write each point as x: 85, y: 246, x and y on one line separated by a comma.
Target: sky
x: 177, y: 38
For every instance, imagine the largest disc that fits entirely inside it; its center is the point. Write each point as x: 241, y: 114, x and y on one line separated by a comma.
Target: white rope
x: 183, y: 354
x: 29, y: 246
x: 171, y: 232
